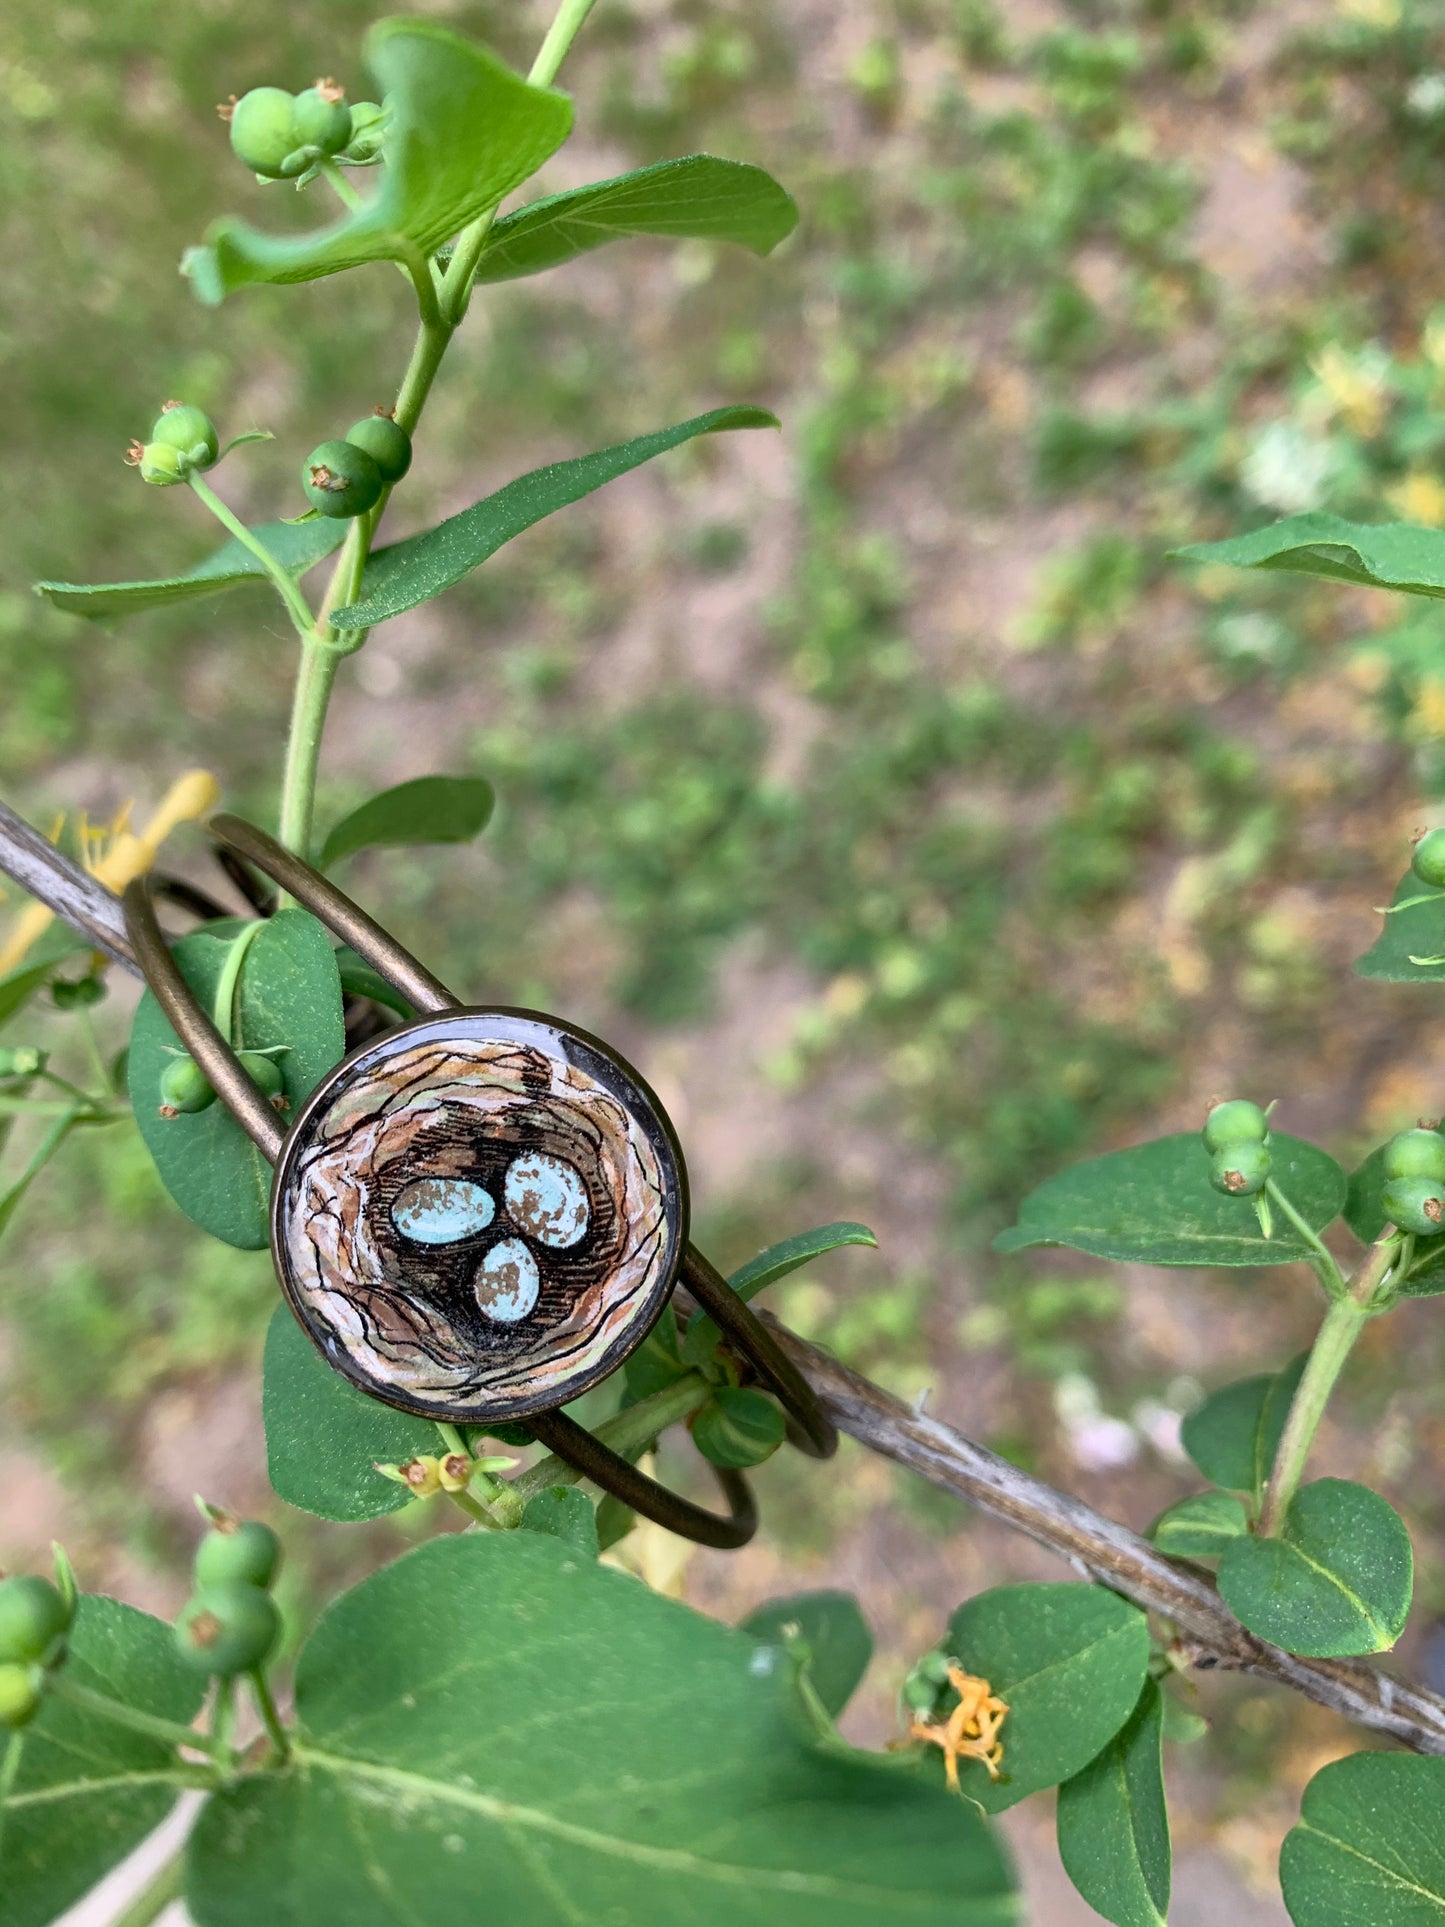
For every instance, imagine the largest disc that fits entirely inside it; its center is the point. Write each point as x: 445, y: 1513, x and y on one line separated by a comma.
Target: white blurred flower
x: 1288, y: 469
x: 1425, y: 96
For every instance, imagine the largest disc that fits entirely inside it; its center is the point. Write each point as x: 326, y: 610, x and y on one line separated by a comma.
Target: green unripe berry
x: 32, y: 1617
x: 21, y: 1688
x: 1416, y: 1205
x: 21, y: 1060
x: 738, y: 1426
x: 227, y: 1628
x: 265, y: 1072
x: 1416, y: 1154
x: 385, y: 441
x: 184, y: 1087
x: 341, y: 480
x: 1240, y: 1170
x: 1235, y: 1122
x: 263, y: 133
x: 237, y: 1550
x: 1428, y: 862
x: 321, y: 118
x: 159, y: 463
x: 368, y: 128
x: 191, y: 430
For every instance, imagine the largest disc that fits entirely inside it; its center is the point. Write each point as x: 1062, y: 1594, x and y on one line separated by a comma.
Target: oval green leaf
x: 1410, y: 948
x: 562, y: 1512
x: 290, y: 996
x: 464, y: 131
x: 89, y: 1791
x: 1070, y: 1660
x: 324, y: 1438
x: 656, y: 1771
x: 1113, y: 1825
x: 297, y: 549
x: 823, y: 1632
x: 1201, y: 1526
x: 1234, y: 1435
x: 1369, y: 1850
x: 428, y: 809
x: 697, y: 198
x: 1336, y: 1581
x: 1379, y: 555
x: 413, y: 571
x: 1154, y: 1205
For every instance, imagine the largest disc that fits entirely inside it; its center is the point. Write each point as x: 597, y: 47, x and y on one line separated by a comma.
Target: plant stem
x: 1323, y: 1262
x: 270, y: 1718
x: 336, y: 180
x: 442, y: 307
x: 169, y: 1732
x: 314, y: 682
x: 626, y: 1432
x: 223, y: 1009
x: 9, y: 1773
x: 296, y: 603
x: 166, y: 1884
x: 1335, y: 1340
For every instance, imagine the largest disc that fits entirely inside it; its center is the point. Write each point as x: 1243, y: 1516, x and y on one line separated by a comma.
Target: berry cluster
x: 35, y: 1621
x: 284, y: 137
x: 1236, y: 1136
x: 346, y: 478
x: 183, y: 441
x: 230, y: 1623
x: 1414, y: 1194
x: 185, y: 1088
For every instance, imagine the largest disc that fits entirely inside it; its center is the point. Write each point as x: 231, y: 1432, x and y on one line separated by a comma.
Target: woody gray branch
x: 1206, y: 1632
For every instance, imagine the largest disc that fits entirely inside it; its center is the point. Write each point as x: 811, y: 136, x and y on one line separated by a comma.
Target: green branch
x: 102, y: 1707
x: 626, y: 1432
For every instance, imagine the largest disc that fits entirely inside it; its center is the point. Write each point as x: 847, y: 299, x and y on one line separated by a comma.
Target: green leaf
x: 562, y: 1512
x: 464, y: 131
x: 1381, y: 555
x: 698, y: 197
x: 826, y: 1633
x: 296, y: 549
x: 656, y: 1362
x: 1365, y: 1215
x: 20, y: 986
x: 1070, y: 1661
x: 655, y: 1771
x: 358, y: 979
x: 1418, y: 932
x: 428, y: 809
x: 1369, y: 1850
x: 1154, y: 1205
x: 1234, y: 1435
x: 1201, y: 1526
x: 88, y: 1791
x: 703, y: 1336
x: 1337, y: 1581
x: 409, y: 572
x: 1113, y: 1825
x: 739, y: 1426
x: 290, y: 995
x: 323, y: 1437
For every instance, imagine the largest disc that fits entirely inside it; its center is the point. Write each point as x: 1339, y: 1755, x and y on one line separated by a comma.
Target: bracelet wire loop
x: 808, y: 1426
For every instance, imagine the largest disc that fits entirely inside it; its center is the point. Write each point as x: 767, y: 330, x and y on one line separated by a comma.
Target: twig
x: 1207, y: 1633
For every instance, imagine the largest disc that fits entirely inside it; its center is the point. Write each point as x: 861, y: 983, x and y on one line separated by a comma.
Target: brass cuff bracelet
x: 480, y: 1212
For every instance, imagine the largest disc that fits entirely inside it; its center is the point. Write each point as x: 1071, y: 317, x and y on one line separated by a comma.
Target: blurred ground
x: 879, y: 787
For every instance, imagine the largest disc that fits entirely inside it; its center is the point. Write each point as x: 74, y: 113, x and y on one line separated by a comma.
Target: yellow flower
x: 1354, y: 387
x: 116, y: 854
x: 1419, y: 498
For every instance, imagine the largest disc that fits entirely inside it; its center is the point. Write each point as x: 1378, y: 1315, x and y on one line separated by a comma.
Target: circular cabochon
x: 479, y: 1215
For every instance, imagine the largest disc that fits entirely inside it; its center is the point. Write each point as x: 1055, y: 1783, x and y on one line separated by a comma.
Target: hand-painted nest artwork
x: 479, y: 1215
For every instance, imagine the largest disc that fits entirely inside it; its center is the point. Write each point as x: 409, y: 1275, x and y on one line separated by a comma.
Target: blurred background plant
x: 879, y: 787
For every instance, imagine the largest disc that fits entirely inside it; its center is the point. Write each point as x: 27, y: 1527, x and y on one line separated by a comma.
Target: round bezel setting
x: 480, y: 1214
